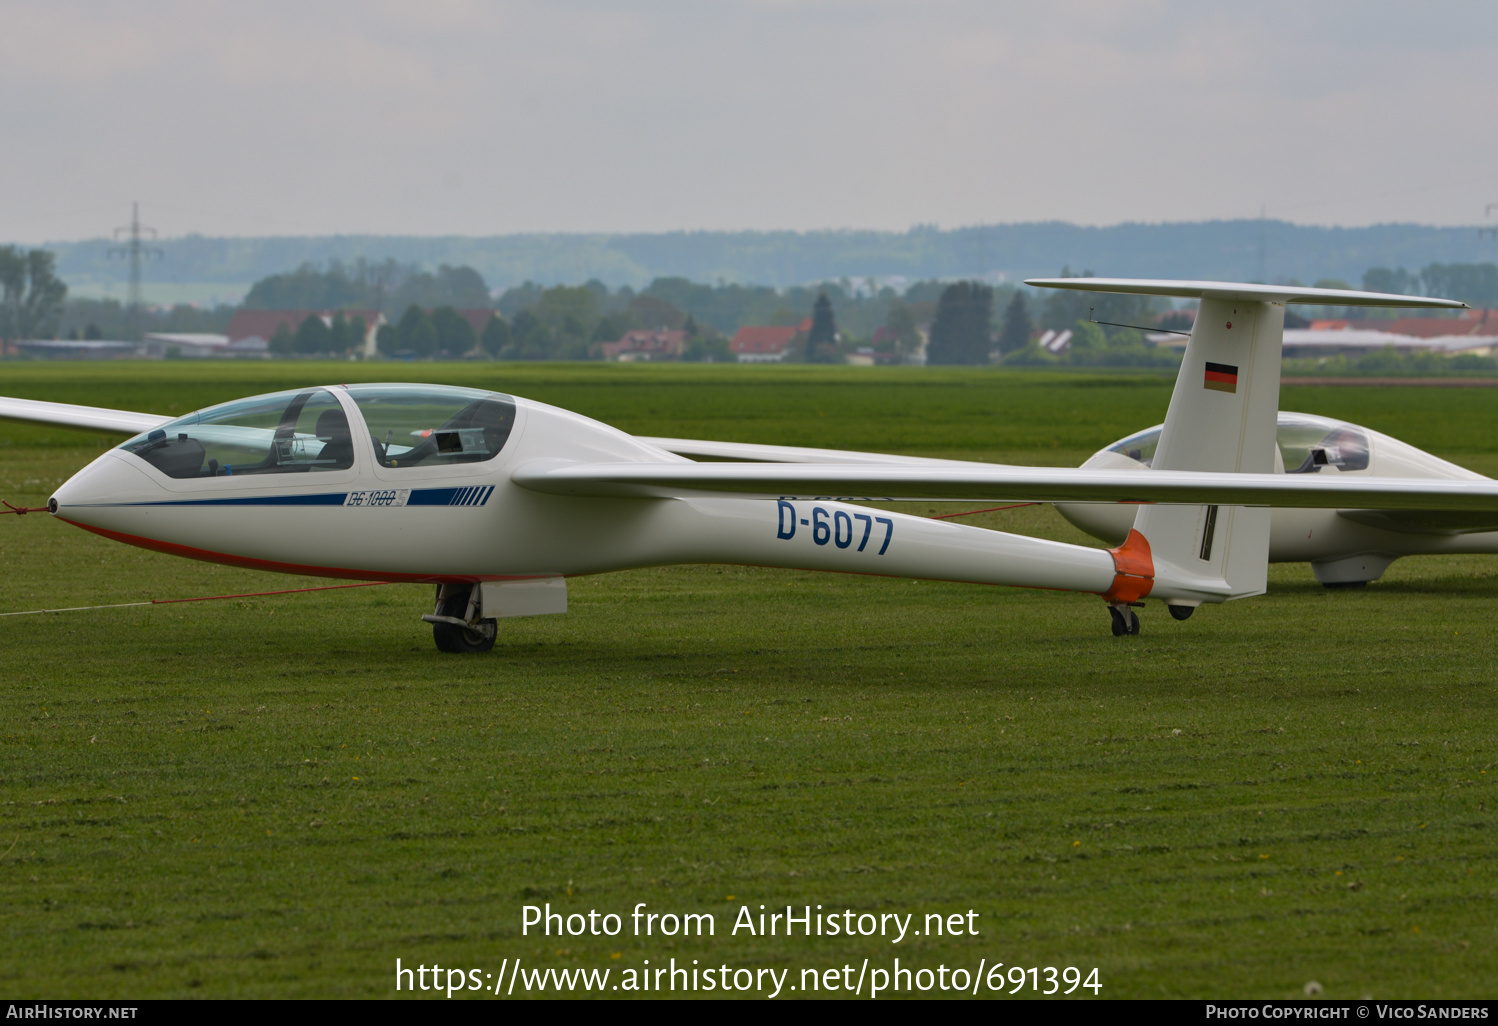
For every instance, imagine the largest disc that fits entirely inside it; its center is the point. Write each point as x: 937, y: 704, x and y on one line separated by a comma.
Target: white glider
x: 497, y: 500
x: 1346, y: 547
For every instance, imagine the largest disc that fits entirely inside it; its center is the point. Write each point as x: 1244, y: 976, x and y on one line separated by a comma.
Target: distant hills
x: 1231, y: 250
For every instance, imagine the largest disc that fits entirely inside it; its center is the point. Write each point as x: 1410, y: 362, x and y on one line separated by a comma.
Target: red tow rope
x: 21, y: 510
x: 991, y: 509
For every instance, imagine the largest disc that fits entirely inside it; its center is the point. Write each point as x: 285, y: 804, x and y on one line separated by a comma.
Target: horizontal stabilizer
x: 68, y: 415
x: 1241, y: 291
x: 869, y: 483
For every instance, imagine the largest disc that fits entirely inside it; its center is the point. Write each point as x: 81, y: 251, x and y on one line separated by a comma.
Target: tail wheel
x: 1125, y: 621
x: 452, y: 638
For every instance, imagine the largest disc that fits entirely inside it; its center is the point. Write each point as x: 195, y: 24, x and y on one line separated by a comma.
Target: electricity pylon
x: 134, y: 251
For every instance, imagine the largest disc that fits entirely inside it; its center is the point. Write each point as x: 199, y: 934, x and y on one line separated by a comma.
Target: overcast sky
x: 478, y: 118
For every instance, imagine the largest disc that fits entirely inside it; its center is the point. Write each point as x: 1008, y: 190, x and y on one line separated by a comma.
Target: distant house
x: 1354, y: 342
x: 1471, y: 322
x: 1362, y: 341
x: 1053, y: 341
x: 478, y: 317
x: 764, y: 344
x: 761, y: 344
x: 646, y: 345
x: 67, y: 349
x: 885, y: 344
x: 868, y: 356
x: 157, y: 345
x: 262, y: 325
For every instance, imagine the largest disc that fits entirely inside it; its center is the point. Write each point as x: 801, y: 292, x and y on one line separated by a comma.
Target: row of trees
x: 314, y: 338
x: 418, y: 334
x: 84, y: 317
x: 571, y: 323
x: 858, y: 310
x: 387, y: 286
x: 444, y: 330
x: 1106, y: 329
x: 537, y: 322
x: 596, y: 312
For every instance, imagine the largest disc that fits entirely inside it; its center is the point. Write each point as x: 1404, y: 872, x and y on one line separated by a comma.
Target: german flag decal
x: 1221, y: 377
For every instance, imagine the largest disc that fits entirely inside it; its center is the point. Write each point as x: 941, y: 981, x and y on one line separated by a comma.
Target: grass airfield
x: 280, y: 796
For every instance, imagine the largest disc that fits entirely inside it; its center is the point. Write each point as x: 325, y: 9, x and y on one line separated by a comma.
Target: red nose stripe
x: 249, y: 562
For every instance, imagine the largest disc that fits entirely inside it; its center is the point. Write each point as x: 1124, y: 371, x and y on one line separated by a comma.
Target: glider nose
x: 108, y: 482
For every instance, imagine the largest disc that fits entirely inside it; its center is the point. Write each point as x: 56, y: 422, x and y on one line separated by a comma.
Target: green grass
x: 278, y: 797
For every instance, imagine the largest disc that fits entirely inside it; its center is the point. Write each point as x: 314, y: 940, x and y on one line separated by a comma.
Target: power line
x: 134, y: 251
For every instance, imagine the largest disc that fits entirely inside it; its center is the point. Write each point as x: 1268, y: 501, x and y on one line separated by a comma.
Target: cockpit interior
x: 309, y: 431
x: 1307, y: 444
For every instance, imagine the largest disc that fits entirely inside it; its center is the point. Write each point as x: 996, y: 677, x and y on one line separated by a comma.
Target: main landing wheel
x: 1125, y: 621
x: 452, y: 638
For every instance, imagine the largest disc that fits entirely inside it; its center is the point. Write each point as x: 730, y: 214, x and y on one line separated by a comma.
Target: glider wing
x: 698, y: 449
x: 872, y: 483
x: 68, y: 415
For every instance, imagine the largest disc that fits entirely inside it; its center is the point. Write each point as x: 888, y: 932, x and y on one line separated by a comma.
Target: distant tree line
x: 314, y: 338
x: 1107, y: 329
x: 89, y: 318
x: 420, y: 335
x: 388, y: 287
x: 967, y: 322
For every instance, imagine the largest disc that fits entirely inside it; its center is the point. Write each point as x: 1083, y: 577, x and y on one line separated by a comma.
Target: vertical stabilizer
x: 1222, y: 417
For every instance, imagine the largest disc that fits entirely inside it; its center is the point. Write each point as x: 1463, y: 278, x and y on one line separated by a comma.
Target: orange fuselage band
x: 1133, y: 569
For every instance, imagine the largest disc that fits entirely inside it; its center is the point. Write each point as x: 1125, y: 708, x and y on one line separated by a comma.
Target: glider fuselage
x: 471, y: 522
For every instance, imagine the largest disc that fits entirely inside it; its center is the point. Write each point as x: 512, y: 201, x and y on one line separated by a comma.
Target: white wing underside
x: 1247, y: 291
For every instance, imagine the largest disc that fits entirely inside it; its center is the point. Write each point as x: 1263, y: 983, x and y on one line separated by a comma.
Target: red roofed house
x: 645, y: 345
x: 1470, y: 322
x: 764, y: 344
x: 476, y: 316
x: 251, y: 330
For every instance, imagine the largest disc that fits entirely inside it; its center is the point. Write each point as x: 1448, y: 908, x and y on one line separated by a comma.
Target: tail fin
x: 1222, y: 417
